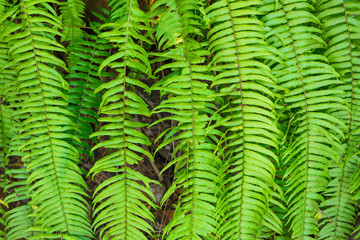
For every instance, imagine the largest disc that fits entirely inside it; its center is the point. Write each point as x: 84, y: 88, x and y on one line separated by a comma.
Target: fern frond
x: 8, y: 74
x: 5, y: 112
x: 72, y: 13
x: 6, y: 133
x: 56, y: 186
x: 272, y: 223
x: 120, y: 202
x: 189, y: 103
x: 316, y: 133
x: 83, y: 79
x: 4, y: 142
x: 339, y: 207
x: 341, y: 27
x: 19, y: 219
x: 237, y: 42
x: 16, y: 220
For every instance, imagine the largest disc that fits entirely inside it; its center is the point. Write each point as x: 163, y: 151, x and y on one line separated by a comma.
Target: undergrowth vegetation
x: 247, y: 112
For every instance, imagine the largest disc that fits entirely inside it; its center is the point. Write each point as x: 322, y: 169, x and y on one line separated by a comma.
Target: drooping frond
x: 8, y: 74
x: 341, y: 24
x: 5, y: 116
x: 120, y: 202
x: 15, y: 220
x: 339, y: 207
x: 272, y: 224
x: 56, y: 187
x: 237, y: 43
x: 19, y: 219
x: 189, y: 103
x: 6, y: 133
x: 83, y: 79
x: 72, y: 13
x: 314, y: 133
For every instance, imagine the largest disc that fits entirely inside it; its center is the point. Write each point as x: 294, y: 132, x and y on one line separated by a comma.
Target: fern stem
x: 124, y: 115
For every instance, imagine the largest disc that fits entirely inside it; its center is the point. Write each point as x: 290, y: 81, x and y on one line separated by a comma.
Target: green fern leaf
x: 6, y: 133
x: 16, y: 221
x: 86, y: 58
x: 316, y: 133
x: 19, y: 219
x: 72, y: 13
x: 189, y: 102
x: 341, y: 27
x: 120, y: 202
x: 56, y: 186
x: 237, y: 42
x: 8, y: 74
x: 272, y: 223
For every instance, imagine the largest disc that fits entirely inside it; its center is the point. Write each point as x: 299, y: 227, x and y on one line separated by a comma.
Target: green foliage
x: 55, y: 182
x: 247, y: 120
x: 259, y: 99
x: 72, y: 13
x: 189, y: 102
x: 340, y: 29
x: 84, y: 61
x: 129, y: 216
x: 19, y: 219
x: 314, y: 133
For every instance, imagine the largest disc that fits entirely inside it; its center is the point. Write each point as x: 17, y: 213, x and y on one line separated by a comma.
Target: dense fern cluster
x: 263, y: 97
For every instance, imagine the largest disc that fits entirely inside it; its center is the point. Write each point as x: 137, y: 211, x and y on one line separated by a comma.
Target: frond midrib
x: 124, y: 117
